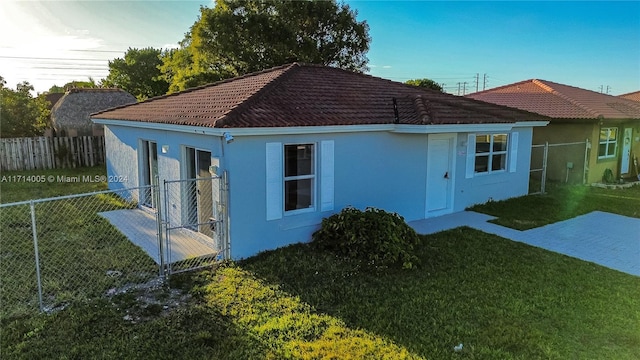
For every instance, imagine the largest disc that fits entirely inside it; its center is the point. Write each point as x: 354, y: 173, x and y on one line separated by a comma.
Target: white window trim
x: 472, y: 155
x: 324, y: 173
x: 608, y: 143
x: 314, y: 182
x: 490, y: 155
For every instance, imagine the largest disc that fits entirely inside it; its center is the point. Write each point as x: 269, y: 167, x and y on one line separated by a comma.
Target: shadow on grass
x: 100, y: 330
x: 501, y: 299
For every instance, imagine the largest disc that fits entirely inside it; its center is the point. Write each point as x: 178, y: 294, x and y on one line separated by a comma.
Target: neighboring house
x: 70, y: 116
x: 300, y: 142
x: 610, y: 123
x: 635, y: 96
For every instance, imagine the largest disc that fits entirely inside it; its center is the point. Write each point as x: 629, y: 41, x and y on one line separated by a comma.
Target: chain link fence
x: 194, y: 213
x: 60, y: 250
x: 559, y: 163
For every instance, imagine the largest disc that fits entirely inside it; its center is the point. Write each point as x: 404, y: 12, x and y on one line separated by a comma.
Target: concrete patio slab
x: 141, y: 228
x: 603, y: 238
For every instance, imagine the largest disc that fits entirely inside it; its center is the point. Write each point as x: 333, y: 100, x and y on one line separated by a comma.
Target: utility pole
x: 477, y: 81
x: 484, y: 82
x: 464, y: 88
x: 601, y: 89
x: 608, y: 88
x: 459, y: 88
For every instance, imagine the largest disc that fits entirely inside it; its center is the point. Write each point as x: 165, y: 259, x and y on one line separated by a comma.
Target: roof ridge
x: 423, y: 112
x: 566, y: 97
x: 499, y: 87
x: 489, y: 112
x: 629, y: 93
x: 195, y: 88
x: 251, y: 99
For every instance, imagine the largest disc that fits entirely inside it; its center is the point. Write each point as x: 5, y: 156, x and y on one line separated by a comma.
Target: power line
x: 47, y: 58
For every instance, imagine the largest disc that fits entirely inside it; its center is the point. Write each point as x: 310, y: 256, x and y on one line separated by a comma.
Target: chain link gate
x: 195, y: 219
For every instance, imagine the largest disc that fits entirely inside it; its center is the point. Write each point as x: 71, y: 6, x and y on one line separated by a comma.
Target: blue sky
x: 584, y: 44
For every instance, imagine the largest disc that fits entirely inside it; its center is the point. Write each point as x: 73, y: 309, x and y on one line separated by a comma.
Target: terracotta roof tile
x: 311, y: 95
x: 635, y: 96
x: 560, y: 101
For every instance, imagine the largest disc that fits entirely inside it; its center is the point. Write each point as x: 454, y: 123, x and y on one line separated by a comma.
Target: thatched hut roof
x: 73, y: 109
x: 52, y: 99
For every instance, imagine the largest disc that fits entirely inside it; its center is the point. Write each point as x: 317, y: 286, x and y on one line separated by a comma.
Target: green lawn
x: 561, y: 202
x: 500, y: 299
x: 77, y: 248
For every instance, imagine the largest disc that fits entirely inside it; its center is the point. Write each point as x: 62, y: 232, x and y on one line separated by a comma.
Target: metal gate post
x: 156, y: 194
x: 227, y: 227
x: 585, y: 172
x: 545, y: 155
x: 36, y: 252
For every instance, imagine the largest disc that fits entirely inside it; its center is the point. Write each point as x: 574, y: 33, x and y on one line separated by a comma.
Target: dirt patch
x: 147, y: 300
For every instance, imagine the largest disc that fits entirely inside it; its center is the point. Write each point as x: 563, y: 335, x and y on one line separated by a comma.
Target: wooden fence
x: 51, y: 152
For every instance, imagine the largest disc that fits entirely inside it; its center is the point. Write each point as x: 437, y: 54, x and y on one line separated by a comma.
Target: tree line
x: 233, y: 38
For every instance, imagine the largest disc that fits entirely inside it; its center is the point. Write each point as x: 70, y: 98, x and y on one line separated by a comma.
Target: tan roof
x: 635, y: 96
x: 311, y: 95
x: 560, y: 101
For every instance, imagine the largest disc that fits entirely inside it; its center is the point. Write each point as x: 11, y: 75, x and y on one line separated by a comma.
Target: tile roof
x: 311, y: 95
x: 560, y: 101
x: 635, y: 96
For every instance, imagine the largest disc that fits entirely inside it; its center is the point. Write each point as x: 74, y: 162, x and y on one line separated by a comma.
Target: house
x: 70, y: 114
x: 611, y: 124
x: 300, y: 142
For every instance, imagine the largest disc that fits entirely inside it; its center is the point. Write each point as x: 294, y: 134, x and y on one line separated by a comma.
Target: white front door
x: 626, y: 151
x: 440, y: 174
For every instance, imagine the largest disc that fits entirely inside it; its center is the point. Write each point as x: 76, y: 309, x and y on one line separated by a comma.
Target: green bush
x: 374, y: 235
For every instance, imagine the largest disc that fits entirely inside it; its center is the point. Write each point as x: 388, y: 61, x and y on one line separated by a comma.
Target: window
x: 491, y: 153
x: 608, y: 143
x: 299, y: 176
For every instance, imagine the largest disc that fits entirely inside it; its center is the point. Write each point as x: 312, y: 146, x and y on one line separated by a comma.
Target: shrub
x: 374, y: 235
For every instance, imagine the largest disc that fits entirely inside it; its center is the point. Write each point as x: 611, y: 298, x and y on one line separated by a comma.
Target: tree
x: 425, y: 83
x: 55, y: 89
x: 21, y: 115
x: 138, y: 73
x: 241, y: 36
x: 73, y: 84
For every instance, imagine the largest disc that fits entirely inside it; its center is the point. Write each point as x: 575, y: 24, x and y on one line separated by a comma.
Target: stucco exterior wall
x: 379, y: 169
x: 560, y: 156
x: 497, y: 186
x: 556, y: 133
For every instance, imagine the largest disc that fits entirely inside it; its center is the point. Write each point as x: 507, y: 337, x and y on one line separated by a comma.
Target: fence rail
x: 51, y: 152
x: 559, y: 162
x: 57, y: 251
x: 60, y: 250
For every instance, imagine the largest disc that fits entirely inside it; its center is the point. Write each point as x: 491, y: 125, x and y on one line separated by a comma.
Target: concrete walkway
x: 606, y: 239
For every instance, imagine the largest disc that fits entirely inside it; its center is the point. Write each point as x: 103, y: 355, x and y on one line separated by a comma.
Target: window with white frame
x: 608, y: 143
x: 299, y: 176
x: 491, y: 153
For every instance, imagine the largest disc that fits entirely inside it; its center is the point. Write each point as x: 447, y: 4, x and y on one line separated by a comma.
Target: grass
x: 561, y: 202
x: 501, y: 299
x: 81, y: 255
